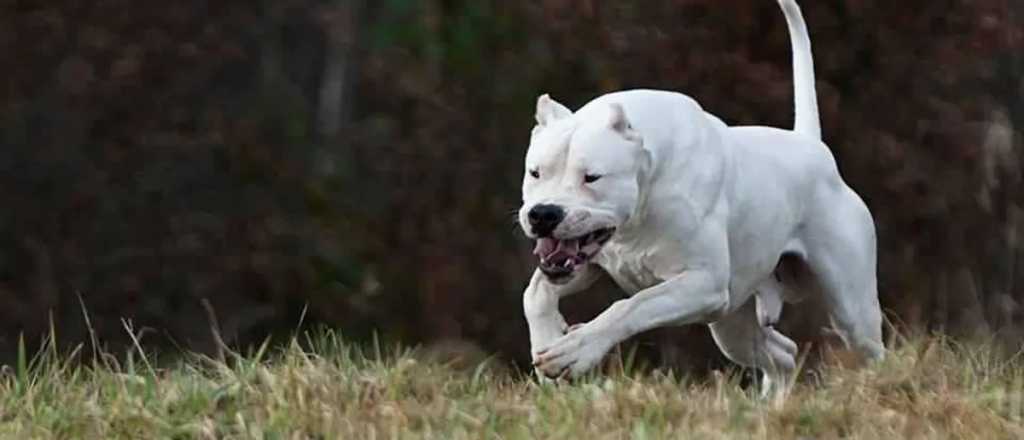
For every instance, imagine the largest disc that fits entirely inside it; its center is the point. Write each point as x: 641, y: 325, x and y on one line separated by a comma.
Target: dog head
x: 581, y: 183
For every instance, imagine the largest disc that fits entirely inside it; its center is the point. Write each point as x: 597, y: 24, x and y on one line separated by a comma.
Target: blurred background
x: 356, y: 163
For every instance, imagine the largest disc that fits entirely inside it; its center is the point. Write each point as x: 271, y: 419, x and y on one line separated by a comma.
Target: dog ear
x: 549, y: 110
x: 618, y: 121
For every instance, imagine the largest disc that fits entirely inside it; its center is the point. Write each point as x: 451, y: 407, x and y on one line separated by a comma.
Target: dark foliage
x: 363, y: 158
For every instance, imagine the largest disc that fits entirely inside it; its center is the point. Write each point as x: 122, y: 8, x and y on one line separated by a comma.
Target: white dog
x: 698, y: 221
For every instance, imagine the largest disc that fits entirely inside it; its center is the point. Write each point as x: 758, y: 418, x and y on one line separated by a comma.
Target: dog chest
x: 630, y: 269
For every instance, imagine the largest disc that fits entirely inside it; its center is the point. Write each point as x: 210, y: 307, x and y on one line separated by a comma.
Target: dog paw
x: 572, y: 355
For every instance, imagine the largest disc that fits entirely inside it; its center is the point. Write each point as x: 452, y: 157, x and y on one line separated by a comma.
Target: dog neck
x: 692, y: 173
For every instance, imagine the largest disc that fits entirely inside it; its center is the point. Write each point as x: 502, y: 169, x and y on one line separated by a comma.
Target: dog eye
x: 591, y: 178
x: 535, y: 173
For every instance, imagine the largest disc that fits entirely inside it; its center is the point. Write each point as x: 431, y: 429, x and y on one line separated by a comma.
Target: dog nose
x: 544, y: 218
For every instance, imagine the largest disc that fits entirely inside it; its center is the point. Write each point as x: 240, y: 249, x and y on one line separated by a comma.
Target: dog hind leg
x: 841, y: 248
x: 744, y: 340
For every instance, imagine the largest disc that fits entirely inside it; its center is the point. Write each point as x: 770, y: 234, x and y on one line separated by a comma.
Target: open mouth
x: 560, y: 257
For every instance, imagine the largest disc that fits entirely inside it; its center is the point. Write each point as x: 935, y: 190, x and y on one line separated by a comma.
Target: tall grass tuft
x: 320, y: 386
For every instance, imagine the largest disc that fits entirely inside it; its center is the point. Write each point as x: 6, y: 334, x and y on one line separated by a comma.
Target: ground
x: 324, y: 389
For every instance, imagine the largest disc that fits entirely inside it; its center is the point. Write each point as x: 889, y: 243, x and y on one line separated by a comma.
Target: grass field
x: 925, y: 389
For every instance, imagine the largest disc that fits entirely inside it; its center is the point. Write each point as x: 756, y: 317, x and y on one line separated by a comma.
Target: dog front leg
x: 694, y: 296
x: 540, y: 305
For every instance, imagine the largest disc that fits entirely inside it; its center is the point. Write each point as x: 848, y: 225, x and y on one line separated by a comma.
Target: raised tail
x: 804, y: 94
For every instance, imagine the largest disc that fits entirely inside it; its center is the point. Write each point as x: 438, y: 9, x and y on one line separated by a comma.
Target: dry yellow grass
x: 925, y: 389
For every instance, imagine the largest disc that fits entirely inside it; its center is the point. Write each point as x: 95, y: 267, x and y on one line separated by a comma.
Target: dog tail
x: 806, y: 100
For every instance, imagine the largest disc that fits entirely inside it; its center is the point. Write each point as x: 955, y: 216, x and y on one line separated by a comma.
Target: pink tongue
x: 544, y: 247
x: 549, y: 249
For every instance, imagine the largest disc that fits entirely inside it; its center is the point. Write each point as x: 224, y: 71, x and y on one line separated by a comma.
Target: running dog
x: 700, y: 222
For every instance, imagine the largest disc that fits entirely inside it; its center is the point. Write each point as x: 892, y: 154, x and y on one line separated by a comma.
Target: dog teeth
x: 568, y: 263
